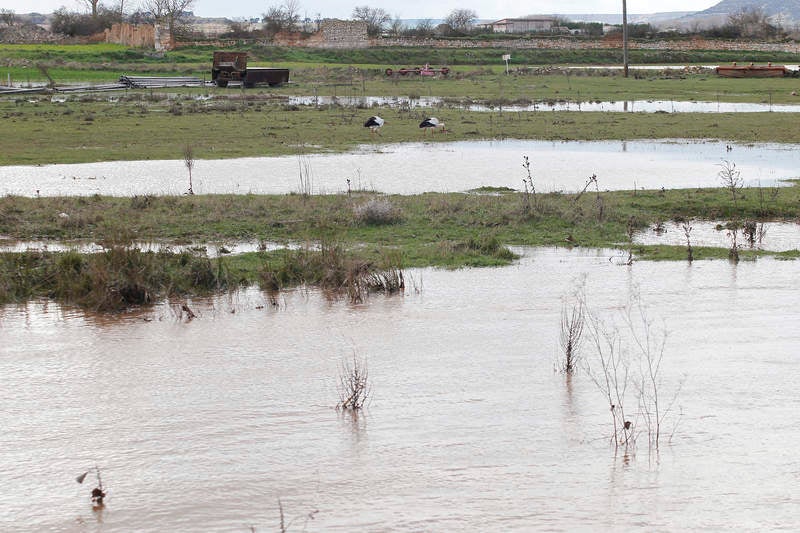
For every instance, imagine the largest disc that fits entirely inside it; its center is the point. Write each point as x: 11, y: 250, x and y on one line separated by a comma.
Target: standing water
x: 413, y: 168
x: 205, y: 425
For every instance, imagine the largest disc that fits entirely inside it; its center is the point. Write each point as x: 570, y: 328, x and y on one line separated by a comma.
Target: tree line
x: 176, y: 15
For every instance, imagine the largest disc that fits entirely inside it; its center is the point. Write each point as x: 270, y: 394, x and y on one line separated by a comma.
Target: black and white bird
x: 432, y: 124
x: 374, y: 124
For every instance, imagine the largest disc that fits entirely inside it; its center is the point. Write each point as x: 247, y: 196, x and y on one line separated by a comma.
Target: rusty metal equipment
x: 232, y: 67
x: 427, y: 70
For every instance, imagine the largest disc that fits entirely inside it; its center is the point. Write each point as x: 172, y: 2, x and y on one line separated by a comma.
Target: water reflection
x: 771, y: 236
x: 412, y: 168
x: 597, y: 106
x: 208, y: 249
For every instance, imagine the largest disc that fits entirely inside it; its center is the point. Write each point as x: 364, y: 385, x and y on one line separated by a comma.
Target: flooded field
x: 204, y: 425
x: 412, y: 168
x: 624, y: 106
x: 771, y: 236
x: 209, y: 249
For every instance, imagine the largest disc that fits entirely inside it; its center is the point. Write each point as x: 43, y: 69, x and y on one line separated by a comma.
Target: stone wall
x: 19, y: 34
x: 344, y: 33
x: 589, y: 44
x: 137, y: 35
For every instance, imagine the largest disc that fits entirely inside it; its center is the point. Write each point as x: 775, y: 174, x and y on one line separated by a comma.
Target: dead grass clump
x: 331, y: 269
x: 364, y: 279
x: 490, y: 245
x: 376, y: 211
x: 142, y: 201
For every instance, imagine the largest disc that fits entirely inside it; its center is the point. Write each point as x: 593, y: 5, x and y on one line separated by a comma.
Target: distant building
x: 530, y: 24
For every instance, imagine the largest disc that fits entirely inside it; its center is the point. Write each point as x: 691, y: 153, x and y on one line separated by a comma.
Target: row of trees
x: 99, y: 16
x: 751, y: 22
x: 286, y: 17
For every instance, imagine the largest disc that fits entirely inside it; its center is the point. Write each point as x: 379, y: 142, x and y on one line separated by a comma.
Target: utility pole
x: 625, y: 38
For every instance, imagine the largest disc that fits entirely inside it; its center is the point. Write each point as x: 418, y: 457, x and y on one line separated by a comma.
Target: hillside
x: 787, y: 9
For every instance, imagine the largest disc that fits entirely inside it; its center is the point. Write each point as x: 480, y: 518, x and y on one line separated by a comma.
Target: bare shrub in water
x: 753, y: 232
x: 626, y: 368
x: 733, y: 251
x: 376, y: 211
x: 630, y: 231
x: 284, y: 525
x: 687, y: 232
x: 306, y: 176
x: 610, y: 371
x: 731, y: 178
x: 573, y: 321
x: 529, y: 189
x: 188, y: 161
x: 354, y: 385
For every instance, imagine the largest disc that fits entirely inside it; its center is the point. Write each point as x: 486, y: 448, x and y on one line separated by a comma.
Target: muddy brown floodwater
x: 412, y: 168
x: 204, y: 425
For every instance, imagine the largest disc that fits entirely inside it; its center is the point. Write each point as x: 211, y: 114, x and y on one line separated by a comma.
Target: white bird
x: 374, y: 124
x: 432, y: 123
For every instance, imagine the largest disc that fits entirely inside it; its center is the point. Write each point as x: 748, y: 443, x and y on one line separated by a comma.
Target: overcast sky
x: 408, y: 9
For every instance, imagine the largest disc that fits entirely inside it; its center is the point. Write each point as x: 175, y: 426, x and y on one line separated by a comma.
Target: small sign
x: 506, y: 57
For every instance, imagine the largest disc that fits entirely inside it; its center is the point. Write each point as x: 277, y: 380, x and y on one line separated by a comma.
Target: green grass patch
x: 434, y: 229
x: 144, y: 125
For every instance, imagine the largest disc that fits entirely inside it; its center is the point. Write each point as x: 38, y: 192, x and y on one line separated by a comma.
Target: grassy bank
x: 409, y: 222
x: 141, y: 127
x: 361, y: 235
x: 105, y: 55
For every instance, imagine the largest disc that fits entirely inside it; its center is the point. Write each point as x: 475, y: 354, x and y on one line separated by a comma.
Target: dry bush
x: 376, y: 211
x: 354, y: 385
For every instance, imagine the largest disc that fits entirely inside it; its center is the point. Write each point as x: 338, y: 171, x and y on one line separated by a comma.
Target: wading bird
x: 433, y: 124
x: 374, y: 124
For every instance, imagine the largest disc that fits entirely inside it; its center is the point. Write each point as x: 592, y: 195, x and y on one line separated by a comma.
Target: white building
x: 529, y: 24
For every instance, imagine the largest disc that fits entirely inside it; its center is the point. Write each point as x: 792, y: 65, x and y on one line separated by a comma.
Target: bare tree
x: 168, y: 12
x: 461, y: 20
x: 7, y: 16
x: 396, y: 28
x: 375, y: 17
x: 92, y: 5
x: 279, y: 18
x: 752, y: 22
x: 119, y: 8
x: 292, y: 9
x: 424, y: 28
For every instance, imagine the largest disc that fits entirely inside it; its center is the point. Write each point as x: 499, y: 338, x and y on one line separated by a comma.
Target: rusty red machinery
x: 232, y: 67
x: 754, y: 71
x: 427, y: 70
